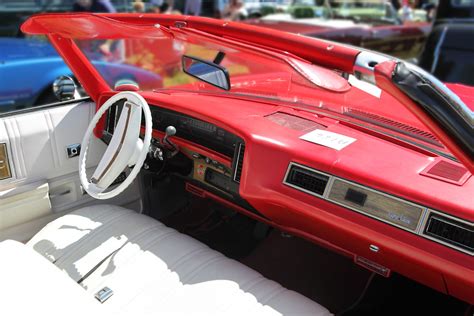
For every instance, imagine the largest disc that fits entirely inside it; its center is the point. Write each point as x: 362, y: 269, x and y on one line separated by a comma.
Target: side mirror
x: 206, y: 71
x: 64, y: 88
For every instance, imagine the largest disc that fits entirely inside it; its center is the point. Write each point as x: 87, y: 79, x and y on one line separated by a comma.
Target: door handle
x: 55, y: 195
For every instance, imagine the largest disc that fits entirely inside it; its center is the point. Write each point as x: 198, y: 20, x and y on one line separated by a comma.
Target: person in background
x: 220, y: 7
x: 109, y: 49
x: 193, y: 7
x: 104, y: 6
x: 138, y: 6
x: 233, y: 10
x: 155, y: 6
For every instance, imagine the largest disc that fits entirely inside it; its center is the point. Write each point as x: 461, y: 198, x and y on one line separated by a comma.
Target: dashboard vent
x: 394, y: 126
x: 293, y: 122
x: 450, y: 231
x: 447, y: 171
x: 306, y: 180
x: 239, y: 162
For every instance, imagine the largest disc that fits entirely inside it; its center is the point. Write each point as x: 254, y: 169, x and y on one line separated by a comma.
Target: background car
x: 13, y: 12
x: 372, y: 25
x: 449, y: 51
x: 29, y: 66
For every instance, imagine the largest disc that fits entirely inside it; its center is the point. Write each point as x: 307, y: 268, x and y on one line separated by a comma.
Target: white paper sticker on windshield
x: 328, y: 139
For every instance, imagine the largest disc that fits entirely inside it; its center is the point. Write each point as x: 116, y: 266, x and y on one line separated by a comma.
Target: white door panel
x: 37, y: 142
x: 66, y: 193
x: 44, y: 181
x: 23, y: 204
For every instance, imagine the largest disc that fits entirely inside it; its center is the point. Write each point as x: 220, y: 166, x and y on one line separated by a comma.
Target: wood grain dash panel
x: 378, y: 205
x: 4, y: 163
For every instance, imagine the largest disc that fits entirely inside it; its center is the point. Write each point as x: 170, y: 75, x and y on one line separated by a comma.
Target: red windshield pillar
x: 85, y: 72
x: 383, y: 77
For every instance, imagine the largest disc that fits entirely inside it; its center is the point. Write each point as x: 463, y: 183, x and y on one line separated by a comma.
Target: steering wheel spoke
x: 125, y: 148
x: 122, y: 147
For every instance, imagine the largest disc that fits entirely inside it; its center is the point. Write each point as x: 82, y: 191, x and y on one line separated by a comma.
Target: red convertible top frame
x: 61, y: 29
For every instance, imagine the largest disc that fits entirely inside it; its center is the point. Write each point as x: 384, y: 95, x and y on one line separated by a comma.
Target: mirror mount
x: 219, y: 57
x: 207, y: 71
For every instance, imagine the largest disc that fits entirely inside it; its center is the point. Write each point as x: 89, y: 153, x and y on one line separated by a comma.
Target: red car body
x: 400, y: 40
x: 377, y: 161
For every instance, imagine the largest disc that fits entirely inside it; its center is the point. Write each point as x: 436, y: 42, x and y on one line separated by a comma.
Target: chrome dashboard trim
x: 456, y: 219
x: 422, y: 221
x: 326, y: 190
x: 237, y: 163
x: 423, y: 209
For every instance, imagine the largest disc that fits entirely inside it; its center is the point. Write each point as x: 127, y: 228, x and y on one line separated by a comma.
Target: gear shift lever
x: 169, y: 132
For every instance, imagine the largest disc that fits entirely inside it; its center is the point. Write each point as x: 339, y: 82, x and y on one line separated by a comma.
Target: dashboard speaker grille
x: 393, y: 125
x: 451, y: 231
x: 449, y: 171
x: 307, y: 180
x: 239, y: 162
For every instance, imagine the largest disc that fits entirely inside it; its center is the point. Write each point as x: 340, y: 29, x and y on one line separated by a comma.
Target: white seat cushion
x: 30, y: 285
x: 153, y: 269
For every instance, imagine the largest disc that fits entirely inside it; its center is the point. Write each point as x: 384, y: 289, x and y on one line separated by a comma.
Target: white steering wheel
x: 125, y: 148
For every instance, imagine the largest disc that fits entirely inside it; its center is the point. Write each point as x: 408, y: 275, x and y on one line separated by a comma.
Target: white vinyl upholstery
x: 153, y: 269
x: 30, y: 285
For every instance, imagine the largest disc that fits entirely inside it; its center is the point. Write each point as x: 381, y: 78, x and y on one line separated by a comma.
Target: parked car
x: 13, y: 12
x: 29, y: 66
x: 274, y: 174
x: 449, y: 50
x: 376, y: 26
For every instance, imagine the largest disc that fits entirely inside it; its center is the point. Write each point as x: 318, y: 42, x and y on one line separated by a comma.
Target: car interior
x: 175, y: 202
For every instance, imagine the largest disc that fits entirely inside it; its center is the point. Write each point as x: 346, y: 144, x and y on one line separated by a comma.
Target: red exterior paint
x: 404, y: 41
x: 383, y: 75
x: 84, y: 71
x: 320, y: 221
x: 388, y: 166
x: 340, y: 57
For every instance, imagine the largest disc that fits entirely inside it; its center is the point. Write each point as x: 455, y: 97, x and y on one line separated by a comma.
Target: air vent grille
x: 293, y: 122
x: 239, y: 162
x: 450, y: 231
x: 394, y: 125
x: 446, y: 170
x: 307, y: 180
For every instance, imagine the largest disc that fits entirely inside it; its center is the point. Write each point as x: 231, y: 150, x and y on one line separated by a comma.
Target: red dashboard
x: 392, y: 174
x: 383, y: 199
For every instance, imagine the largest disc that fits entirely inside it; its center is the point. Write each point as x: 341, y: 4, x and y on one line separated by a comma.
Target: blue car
x: 29, y: 66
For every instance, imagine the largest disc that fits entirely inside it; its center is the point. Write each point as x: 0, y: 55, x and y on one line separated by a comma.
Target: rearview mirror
x: 206, y: 71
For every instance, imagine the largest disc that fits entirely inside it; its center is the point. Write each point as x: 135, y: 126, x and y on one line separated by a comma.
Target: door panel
x: 37, y: 142
x: 23, y: 204
x: 44, y: 181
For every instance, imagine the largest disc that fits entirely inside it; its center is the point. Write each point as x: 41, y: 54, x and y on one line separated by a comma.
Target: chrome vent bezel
x: 287, y: 174
x: 239, y: 162
x: 449, y: 220
x: 421, y: 227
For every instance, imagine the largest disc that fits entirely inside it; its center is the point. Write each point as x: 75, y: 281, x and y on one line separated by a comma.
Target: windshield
x: 363, y: 10
x: 155, y: 65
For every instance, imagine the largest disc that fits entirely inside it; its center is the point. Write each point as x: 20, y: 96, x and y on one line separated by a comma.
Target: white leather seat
x: 153, y: 269
x: 30, y: 285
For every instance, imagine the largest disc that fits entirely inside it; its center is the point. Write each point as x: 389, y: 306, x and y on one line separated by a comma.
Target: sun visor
x: 89, y: 26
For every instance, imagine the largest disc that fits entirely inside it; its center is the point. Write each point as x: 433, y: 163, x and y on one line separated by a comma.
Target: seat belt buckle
x: 104, y: 294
